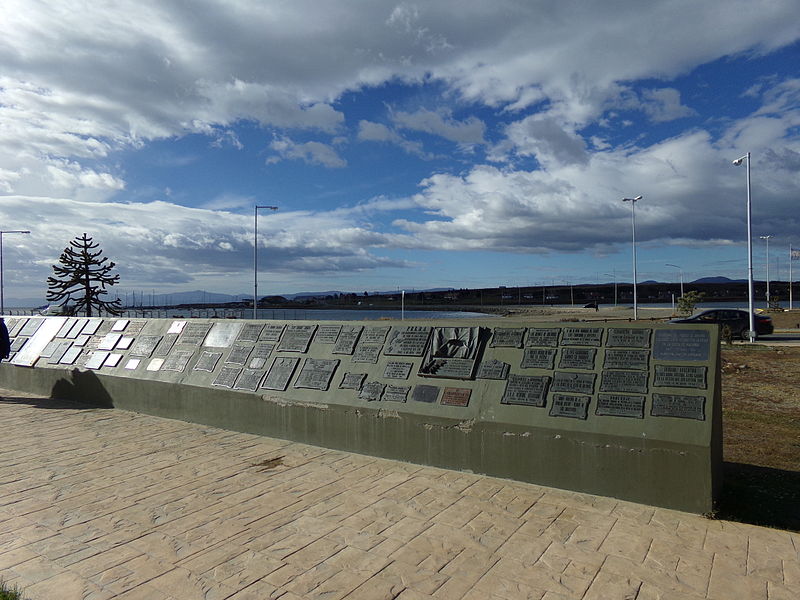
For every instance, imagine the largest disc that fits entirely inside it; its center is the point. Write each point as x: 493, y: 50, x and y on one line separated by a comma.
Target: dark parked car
x: 737, y: 320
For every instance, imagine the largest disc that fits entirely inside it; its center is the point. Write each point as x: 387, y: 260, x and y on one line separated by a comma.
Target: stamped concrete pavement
x: 102, y: 503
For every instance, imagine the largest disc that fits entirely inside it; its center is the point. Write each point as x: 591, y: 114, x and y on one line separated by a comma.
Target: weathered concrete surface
x: 102, y: 503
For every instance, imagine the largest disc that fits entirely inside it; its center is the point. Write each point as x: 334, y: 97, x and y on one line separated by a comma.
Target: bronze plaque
x: 455, y: 396
x: 425, y: 393
x: 367, y: 353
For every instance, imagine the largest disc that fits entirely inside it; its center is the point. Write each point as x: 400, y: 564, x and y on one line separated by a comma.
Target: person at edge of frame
x: 5, y: 341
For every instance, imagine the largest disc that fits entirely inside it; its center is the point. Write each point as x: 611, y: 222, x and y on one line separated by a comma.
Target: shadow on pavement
x: 48, y: 403
x: 760, y: 496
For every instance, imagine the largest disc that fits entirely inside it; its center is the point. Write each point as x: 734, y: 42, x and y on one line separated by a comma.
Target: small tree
x: 82, y: 277
x: 687, y: 302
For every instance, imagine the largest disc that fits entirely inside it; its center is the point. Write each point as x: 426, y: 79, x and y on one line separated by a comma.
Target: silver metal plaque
x: 620, y: 405
x: 573, y: 407
x: 120, y: 325
x: 124, y: 342
x: 681, y: 407
x: 508, y: 337
x: 316, y: 373
x: 47, y: 351
x: 109, y: 341
x: 155, y: 364
x: 249, y: 380
x: 165, y: 345
x: 526, y: 390
x: 135, y: 327
x: 577, y: 358
x: 296, y: 338
x: 112, y: 360
x: 132, y: 363
x: 546, y: 337
x: 679, y: 376
x: 68, y: 324
x: 582, y: 336
x: 97, y: 359
x: 578, y: 383
x: 207, y: 361
x: 425, y: 393
x: 538, y: 358
x: 397, y: 370
x: 395, y: 393
x: 222, y: 335
x: 250, y: 332
x: 626, y: 359
x: 70, y: 356
x: 18, y: 343
x: 261, y: 352
x: 407, y: 341
x: 177, y: 360
x: 280, y: 373
x: 271, y: 333
x: 327, y: 334
x: 46, y: 329
x: 493, y: 369
x: 82, y: 340
x: 634, y: 382
x: 14, y: 326
x: 32, y: 326
x: 78, y: 327
x: 628, y: 337
x: 352, y: 381
x: 226, y: 377
x: 91, y: 326
x: 371, y: 391
x: 681, y: 344
x: 367, y: 353
x: 145, y: 345
x: 176, y: 326
x: 239, y: 354
x: 374, y: 335
x: 346, y: 341
x: 194, y: 333
x: 59, y: 351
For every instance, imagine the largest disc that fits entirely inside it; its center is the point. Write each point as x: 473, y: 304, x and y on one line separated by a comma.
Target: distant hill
x: 718, y: 280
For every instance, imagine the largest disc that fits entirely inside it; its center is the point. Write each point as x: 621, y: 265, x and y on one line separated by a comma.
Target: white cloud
x: 377, y: 132
x: 313, y: 153
x: 469, y: 131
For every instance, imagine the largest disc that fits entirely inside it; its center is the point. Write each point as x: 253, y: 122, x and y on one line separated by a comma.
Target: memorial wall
x: 625, y: 410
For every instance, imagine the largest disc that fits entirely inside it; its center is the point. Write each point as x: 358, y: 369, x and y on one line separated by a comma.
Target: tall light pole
x: 681, y: 272
x: 614, y: 275
x: 2, y: 299
x: 255, y: 256
x: 766, y: 237
x: 633, y: 202
x: 752, y: 335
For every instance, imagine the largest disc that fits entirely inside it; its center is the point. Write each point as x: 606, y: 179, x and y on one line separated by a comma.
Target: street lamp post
x: 255, y: 256
x: 2, y: 298
x: 681, y: 273
x: 766, y: 237
x: 633, y: 202
x: 752, y: 334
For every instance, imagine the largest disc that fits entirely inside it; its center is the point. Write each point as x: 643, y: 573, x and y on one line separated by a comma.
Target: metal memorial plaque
x: 165, y: 345
x: 194, y: 333
x: 681, y: 344
x: 250, y: 333
x: 626, y: 359
x: 352, y: 381
x: 271, y: 333
x: 82, y: 340
x: 135, y: 327
x: 455, y: 396
x: 261, y: 352
x: 112, y: 360
x: 207, y: 361
x: 239, y: 354
x: 18, y: 343
x: 97, y: 359
x: 155, y: 364
x: 124, y: 342
x: 395, y: 393
x: 316, y: 373
x: 132, y: 364
x: 543, y: 337
x: 77, y: 329
x: 249, y: 380
x: 109, y: 341
x: 367, y: 353
x: 371, y: 391
x: 628, y: 337
x: 682, y: 407
x: 70, y: 356
x: 493, y: 369
x: 346, y: 341
x: 16, y: 326
x: 425, y: 393
x: 297, y: 338
x: 145, y: 344
x: 68, y: 324
x: 397, y: 370
x: 119, y: 325
x: 508, y: 337
x: 222, y: 334
x: 451, y: 353
x: 48, y: 350
x: 226, y: 377
x: 91, y: 327
x: 633, y: 382
x: 177, y: 360
x: 31, y: 327
x: 577, y: 383
x: 280, y: 373
x: 448, y: 368
x: 407, y: 341
x: 620, y: 405
x: 374, y: 335
x: 526, y: 390
x: 577, y: 358
x: 681, y: 377
x: 582, y: 336
x: 176, y: 326
x: 327, y: 334
x: 573, y: 407
x: 59, y: 351
x: 104, y: 328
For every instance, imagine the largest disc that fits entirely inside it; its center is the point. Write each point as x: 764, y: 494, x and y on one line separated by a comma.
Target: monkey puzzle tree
x: 82, y: 277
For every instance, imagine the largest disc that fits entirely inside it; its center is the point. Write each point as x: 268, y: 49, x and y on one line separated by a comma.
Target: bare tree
x: 82, y: 278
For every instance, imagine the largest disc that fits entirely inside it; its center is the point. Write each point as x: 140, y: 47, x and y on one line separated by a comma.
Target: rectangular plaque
x: 682, y: 377
x: 582, y: 336
x: 112, y: 360
x: 453, y: 396
x: 194, y: 333
x: 547, y: 337
x: 578, y: 383
x: 681, y: 407
x: 109, y: 341
x: 177, y: 360
x: 407, y: 341
x: 526, y: 390
x: 327, y: 334
x: 634, y: 382
x: 30, y: 327
x: 48, y: 350
x: 226, y: 377
x: 371, y: 391
x: 397, y: 370
x: 18, y: 343
x: 395, y: 393
x: 239, y: 354
x: 132, y: 363
x: 249, y: 380
x: 367, y: 353
x: 15, y: 326
x: 207, y: 361
x: 577, y: 358
x: 681, y: 344
x: 374, y: 335
x: 352, y: 381
x: 176, y: 326
x: 70, y: 356
x: 119, y: 325
x: 250, y: 333
x: 59, y: 351
x: 628, y: 337
x: 451, y: 353
x: 222, y: 334
x: 145, y: 344
x: 507, y: 337
x: 82, y: 340
x: 124, y: 343
x: 260, y: 354
x: 448, y: 368
x: 493, y: 369
x: 135, y: 327
x: 280, y: 373
x: 62, y: 333
x: 626, y: 359
x: 620, y: 405
x: 91, y: 326
x: 573, y: 407
x: 297, y: 338
x: 78, y: 328
x: 425, y: 393
x: 97, y: 359
x: 271, y: 333
x: 155, y: 364
x: 165, y: 345
x: 346, y: 341
x: 316, y: 373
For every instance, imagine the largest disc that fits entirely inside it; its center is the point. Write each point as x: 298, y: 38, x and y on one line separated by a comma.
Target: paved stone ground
x: 98, y: 504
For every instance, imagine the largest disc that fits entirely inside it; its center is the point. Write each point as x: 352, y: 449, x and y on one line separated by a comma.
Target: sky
x: 407, y: 145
